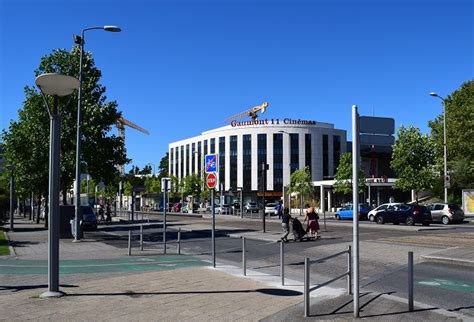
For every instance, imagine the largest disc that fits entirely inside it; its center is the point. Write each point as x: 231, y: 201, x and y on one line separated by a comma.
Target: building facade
x: 285, y: 145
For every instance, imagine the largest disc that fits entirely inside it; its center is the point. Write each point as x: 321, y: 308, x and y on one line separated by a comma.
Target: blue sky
x: 182, y: 67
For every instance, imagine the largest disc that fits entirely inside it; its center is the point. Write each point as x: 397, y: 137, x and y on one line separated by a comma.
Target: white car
x: 270, y: 208
x: 382, y: 207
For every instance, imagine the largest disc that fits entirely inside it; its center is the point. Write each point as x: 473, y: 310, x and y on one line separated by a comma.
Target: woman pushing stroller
x: 313, y: 225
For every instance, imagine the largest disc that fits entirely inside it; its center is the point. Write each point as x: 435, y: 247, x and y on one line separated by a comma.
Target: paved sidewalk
x: 179, y: 293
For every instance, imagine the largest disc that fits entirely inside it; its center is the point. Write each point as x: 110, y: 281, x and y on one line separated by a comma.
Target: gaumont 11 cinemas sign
x: 286, y: 121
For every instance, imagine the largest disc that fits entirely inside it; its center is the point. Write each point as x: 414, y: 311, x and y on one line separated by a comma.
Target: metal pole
x: 282, y: 263
x: 12, y: 187
x: 349, y: 271
x: 78, y: 147
x: 179, y: 241
x: 263, y: 194
x: 141, y: 237
x: 355, y: 206
x: 129, y: 243
x: 241, y: 204
x: 213, y: 230
x: 410, y: 281
x: 53, y: 203
x: 445, y: 154
x: 164, y: 219
x: 133, y: 205
x: 306, y: 287
x: 244, y: 259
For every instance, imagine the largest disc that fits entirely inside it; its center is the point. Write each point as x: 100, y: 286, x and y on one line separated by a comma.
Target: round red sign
x: 211, y: 180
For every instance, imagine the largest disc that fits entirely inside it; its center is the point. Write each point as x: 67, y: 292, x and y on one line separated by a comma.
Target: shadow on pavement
x: 269, y: 291
x: 29, y: 287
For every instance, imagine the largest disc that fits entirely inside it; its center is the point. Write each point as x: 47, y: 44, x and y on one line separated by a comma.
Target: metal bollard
x: 244, y: 262
x: 410, y: 281
x: 179, y: 242
x: 306, y: 287
x: 141, y: 237
x: 282, y: 262
x: 349, y: 270
x: 129, y: 243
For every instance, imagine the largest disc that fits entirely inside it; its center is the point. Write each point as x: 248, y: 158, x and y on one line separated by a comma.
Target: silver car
x: 446, y: 213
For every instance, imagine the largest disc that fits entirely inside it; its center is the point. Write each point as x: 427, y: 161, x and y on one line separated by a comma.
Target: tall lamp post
x: 57, y: 86
x: 79, y: 40
x: 289, y: 172
x: 445, y: 152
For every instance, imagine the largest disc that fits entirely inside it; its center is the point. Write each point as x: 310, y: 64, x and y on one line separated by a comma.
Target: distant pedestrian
x: 313, y: 224
x: 279, y: 209
x: 285, y: 225
x: 108, y: 214
x: 101, y: 213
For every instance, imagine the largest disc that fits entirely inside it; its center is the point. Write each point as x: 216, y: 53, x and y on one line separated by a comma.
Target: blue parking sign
x: 211, y: 163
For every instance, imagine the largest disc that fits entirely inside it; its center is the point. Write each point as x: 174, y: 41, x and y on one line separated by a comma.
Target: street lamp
x: 57, y: 86
x: 445, y: 152
x: 79, y: 40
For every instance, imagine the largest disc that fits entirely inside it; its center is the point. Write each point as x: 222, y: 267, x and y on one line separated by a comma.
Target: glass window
x: 187, y: 160
x: 278, y: 162
x: 307, y: 151
x: 193, y: 158
x: 295, y: 149
x: 247, y: 162
x: 213, y: 146
x: 233, y: 162
x: 261, y: 157
x: 325, y: 157
x: 221, y: 159
x: 336, y: 150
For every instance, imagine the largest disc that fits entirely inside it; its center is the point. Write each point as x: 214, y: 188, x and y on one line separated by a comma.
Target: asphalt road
x: 382, y: 254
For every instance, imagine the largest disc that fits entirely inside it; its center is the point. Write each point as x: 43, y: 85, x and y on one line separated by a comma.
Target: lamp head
x: 112, y: 28
x: 57, y: 84
x: 433, y: 94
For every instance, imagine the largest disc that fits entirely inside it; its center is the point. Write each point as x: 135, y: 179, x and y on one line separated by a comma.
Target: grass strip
x: 4, y: 249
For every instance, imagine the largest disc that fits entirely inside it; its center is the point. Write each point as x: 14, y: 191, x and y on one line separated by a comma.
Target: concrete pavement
x: 180, y: 292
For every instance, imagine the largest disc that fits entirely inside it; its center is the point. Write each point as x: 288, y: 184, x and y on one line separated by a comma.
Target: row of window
x: 196, y: 151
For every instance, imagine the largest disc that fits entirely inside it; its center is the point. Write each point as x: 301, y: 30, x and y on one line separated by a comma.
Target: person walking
x: 279, y: 209
x: 285, y: 225
x: 313, y: 224
x: 108, y: 214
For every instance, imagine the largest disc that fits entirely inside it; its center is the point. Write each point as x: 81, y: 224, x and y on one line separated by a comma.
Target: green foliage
x: 26, y: 141
x: 153, y: 185
x: 343, y: 182
x: 163, y: 167
x: 191, y: 185
x: 413, y: 160
x: 301, y: 182
x: 459, y: 139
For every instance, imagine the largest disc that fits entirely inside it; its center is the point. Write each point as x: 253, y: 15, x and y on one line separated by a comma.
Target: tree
x: 301, y: 182
x: 191, y: 185
x: 413, y: 160
x: 26, y: 141
x: 163, y: 167
x: 153, y: 185
x: 459, y: 136
x: 343, y: 182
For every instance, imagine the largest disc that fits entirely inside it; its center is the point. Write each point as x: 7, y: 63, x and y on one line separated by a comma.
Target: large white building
x: 284, y: 144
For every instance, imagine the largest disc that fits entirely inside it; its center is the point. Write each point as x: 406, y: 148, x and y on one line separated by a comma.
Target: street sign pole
x: 355, y: 207
x: 213, y: 236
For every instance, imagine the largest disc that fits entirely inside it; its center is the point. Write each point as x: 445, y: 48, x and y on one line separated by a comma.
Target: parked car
x: 223, y: 209
x: 446, y: 213
x: 347, y: 212
x: 403, y: 213
x: 270, y: 208
x: 251, y: 206
x: 373, y: 212
x: 89, y: 218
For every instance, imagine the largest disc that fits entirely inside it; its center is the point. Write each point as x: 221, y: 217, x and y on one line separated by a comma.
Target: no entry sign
x: 211, y: 180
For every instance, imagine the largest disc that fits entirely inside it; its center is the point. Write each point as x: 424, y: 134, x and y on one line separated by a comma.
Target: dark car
x: 89, y: 218
x: 403, y: 213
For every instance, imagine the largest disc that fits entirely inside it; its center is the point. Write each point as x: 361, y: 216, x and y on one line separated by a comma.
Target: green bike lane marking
x: 122, y: 264
x: 449, y: 285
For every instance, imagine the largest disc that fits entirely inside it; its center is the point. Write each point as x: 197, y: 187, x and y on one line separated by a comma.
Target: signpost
x: 165, y: 187
x: 210, y: 168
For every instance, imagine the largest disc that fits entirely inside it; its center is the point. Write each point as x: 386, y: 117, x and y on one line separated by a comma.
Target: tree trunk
x: 64, y: 193
x: 38, y: 209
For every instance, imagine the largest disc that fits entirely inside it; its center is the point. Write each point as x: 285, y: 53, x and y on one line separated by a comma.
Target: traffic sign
x: 211, y: 180
x: 211, y: 163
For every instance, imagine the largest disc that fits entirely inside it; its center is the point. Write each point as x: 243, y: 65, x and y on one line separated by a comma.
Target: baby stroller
x: 298, y: 231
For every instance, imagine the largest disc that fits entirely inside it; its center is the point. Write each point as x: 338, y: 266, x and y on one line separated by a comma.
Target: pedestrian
x: 101, y: 213
x: 279, y: 209
x: 285, y: 225
x: 108, y: 214
x: 313, y: 224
